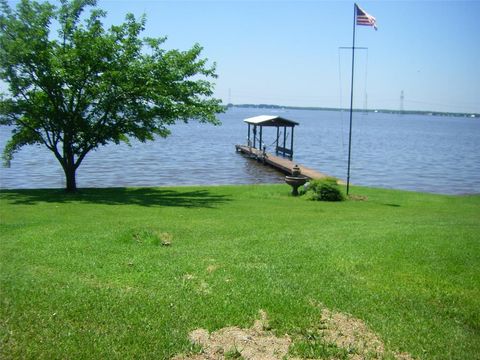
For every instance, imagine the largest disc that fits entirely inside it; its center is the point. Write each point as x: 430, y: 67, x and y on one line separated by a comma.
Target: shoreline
x: 183, y: 186
x: 473, y: 115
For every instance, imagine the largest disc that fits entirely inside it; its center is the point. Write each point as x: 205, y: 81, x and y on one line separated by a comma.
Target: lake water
x: 412, y: 152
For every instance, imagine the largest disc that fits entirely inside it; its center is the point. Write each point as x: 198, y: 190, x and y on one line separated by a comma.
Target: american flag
x: 365, y: 19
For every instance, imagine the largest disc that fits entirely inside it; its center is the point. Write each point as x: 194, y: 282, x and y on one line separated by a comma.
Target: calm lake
x: 436, y: 154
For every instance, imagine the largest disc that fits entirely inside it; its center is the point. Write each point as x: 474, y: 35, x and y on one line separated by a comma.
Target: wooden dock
x: 282, y: 164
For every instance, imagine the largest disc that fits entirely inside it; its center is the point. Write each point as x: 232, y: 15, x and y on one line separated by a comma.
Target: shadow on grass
x: 201, y: 198
x: 392, y: 205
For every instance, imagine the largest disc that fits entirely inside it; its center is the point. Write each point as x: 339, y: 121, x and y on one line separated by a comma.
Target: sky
x: 288, y: 52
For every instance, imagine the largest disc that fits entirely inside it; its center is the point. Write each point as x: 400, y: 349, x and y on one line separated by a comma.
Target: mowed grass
x: 128, y: 273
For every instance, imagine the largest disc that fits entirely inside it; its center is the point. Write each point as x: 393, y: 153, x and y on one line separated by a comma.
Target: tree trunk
x: 69, y: 164
x: 70, y: 173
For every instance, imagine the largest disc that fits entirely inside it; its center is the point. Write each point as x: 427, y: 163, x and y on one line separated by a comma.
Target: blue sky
x: 287, y: 52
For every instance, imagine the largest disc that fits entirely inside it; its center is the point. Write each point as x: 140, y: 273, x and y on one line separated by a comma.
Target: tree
x: 88, y: 86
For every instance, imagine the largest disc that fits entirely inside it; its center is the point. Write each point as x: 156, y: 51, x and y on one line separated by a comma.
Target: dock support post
x: 254, y: 135
x: 291, y: 144
x: 276, y: 141
x: 284, y: 139
x: 261, y: 140
x: 249, y: 143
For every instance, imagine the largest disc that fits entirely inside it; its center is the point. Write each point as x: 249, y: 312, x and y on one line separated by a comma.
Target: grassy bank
x: 128, y: 273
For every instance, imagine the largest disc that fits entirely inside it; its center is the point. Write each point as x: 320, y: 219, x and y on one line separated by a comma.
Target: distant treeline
x: 408, y: 112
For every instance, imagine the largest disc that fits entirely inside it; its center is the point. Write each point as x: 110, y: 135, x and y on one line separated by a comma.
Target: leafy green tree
x: 83, y: 86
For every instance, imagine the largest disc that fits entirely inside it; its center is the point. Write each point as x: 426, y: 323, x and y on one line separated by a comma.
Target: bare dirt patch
x: 347, y: 332
x: 357, y: 197
x: 234, y: 342
x: 256, y: 343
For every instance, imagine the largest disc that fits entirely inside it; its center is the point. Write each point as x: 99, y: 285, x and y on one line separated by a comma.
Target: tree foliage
x: 83, y: 86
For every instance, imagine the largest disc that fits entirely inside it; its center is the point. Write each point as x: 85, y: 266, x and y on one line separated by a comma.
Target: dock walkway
x: 280, y: 163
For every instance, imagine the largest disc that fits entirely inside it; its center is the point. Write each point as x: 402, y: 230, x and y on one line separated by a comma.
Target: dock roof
x: 269, y: 120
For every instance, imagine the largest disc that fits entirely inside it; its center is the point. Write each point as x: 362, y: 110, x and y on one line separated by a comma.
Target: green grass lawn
x: 87, y: 276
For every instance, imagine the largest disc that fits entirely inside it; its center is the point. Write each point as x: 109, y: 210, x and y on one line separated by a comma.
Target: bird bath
x: 295, y: 180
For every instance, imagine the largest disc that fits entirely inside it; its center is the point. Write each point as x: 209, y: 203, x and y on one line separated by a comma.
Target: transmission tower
x: 402, y: 97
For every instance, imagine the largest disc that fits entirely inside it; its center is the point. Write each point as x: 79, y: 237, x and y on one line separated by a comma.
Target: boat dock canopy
x: 268, y: 120
x: 256, y: 137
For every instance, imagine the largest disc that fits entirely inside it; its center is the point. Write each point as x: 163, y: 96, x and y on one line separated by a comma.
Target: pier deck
x: 280, y: 163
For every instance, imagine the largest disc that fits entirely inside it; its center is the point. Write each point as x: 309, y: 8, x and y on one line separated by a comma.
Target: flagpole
x: 351, y: 97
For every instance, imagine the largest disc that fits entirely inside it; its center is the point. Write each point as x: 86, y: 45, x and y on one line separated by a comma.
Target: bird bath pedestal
x: 295, y: 180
